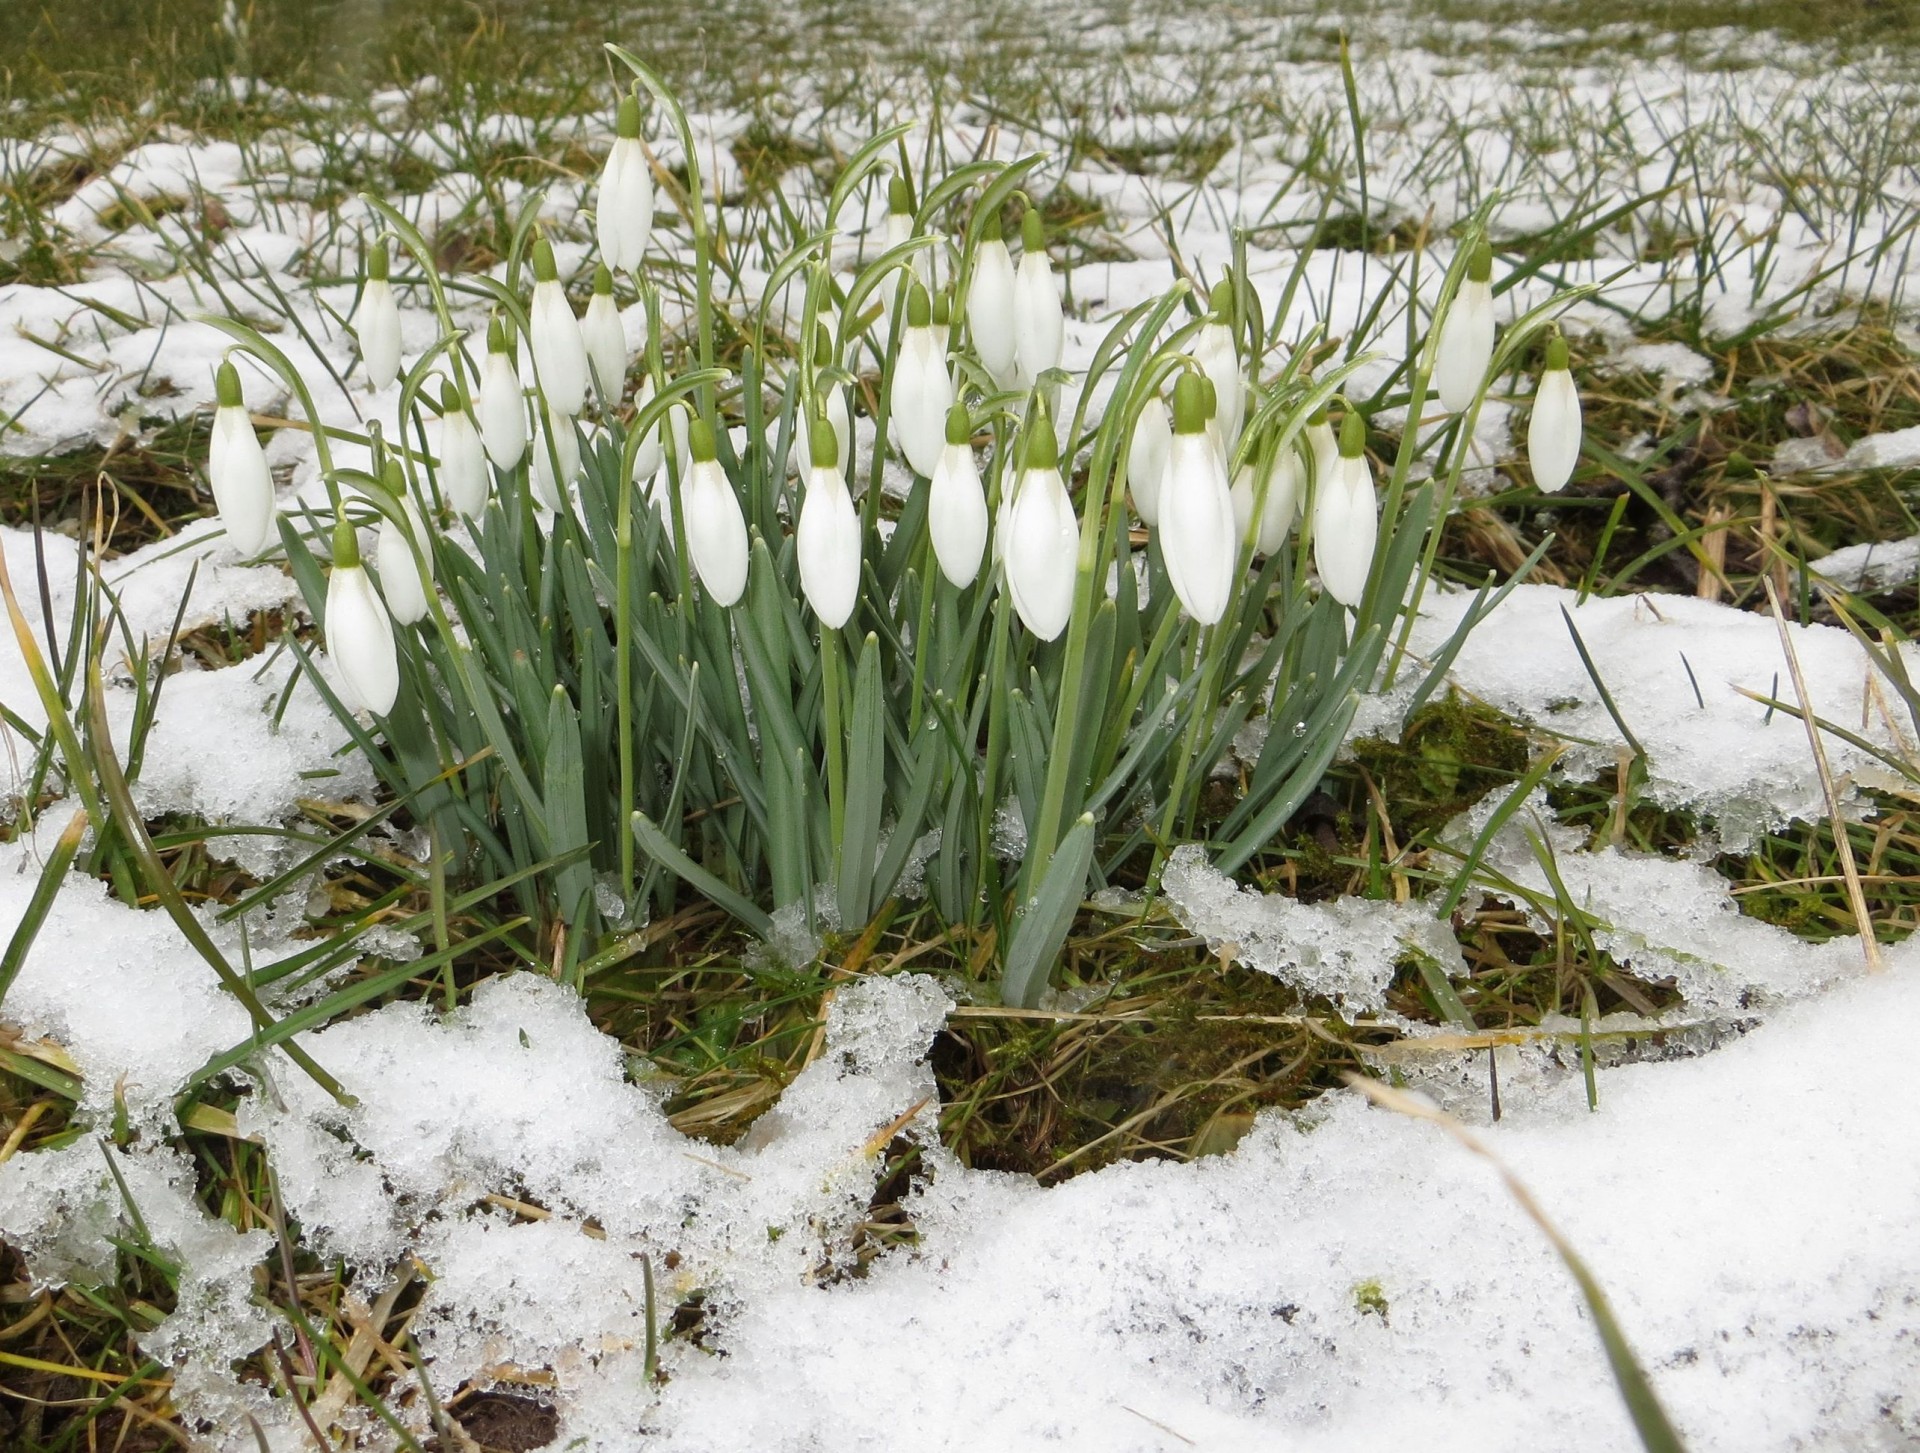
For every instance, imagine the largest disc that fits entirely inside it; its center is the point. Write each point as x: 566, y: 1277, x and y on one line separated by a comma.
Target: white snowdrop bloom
x: 555, y: 468
x: 838, y: 402
x: 402, y: 580
x: 1196, y: 531
x: 716, y: 529
x: 921, y: 391
x: 899, y: 229
x: 502, y: 403
x: 359, y: 633
x: 623, y: 215
x: 1146, y: 462
x: 237, y: 470
x: 376, y: 322
x: 1283, y: 476
x: 1553, y: 433
x: 559, y: 352
x: 1219, y: 359
x: 826, y: 541
x: 463, y: 476
x: 1323, y: 452
x: 1042, y: 538
x: 990, y: 304
x: 1346, y: 518
x: 957, y: 504
x: 606, y: 339
x: 1466, y: 338
x: 1039, y: 326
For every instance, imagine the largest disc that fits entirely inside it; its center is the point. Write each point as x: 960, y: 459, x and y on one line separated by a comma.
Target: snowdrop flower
x: 554, y: 467
x: 990, y: 304
x: 648, y: 455
x: 623, y: 219
x: 1323, y: 450
x: 922, y: 390
x: 237, y: 469
x: 559, y: 352
x: 503, y: 407
x: 606, y: 339
x: 956, y: 504
x: 404, y: 581
x: 1219, y: 359
x: 1346, y: 517
x: 1283, y: 476
x: 1553, y: 433
x: 899, y: 229
x: 1039, y: 327
x: 1042, y: 537
x: 376, y: 322
x: 1196, y: 510
x: 716, y: 530
x: 836, y: 403
x: 1146, y: 461
x: 1466, y: 338
x: 463, y: 458
x: 359, y: 633
x: 826, y: 542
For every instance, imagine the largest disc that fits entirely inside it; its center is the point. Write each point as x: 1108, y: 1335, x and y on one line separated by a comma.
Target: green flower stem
x: 830, y: 687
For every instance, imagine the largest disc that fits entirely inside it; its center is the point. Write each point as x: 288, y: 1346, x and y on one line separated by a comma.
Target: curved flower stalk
x: 237, y: 469
x: 1553, y: 433
x: 716, y: 529
x: 956, y: 503
x: 1466, y: 338
x: 404, y: 580
x: 376, y: 322
x: 990, y: 304
x: 1196, y: 510
x: 827, y: 538
x: 1039, y: 326
x: 1281, y: 480
x: 555, y: 465
x: 502, y: 402
x: 559, y: 352
x: 837, y: 404
x: 623, y: 219
x: 922, y: 390
x: 605, y: 337
x: 1042, y: 536
x: 1146, y: 460
x: 463, y: 473
x: 1219, y: 359
x: 1346, y: 518
x: 359, y: 632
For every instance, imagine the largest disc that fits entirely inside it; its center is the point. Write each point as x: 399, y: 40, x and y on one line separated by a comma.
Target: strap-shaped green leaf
x: 1041, y: 930
x: 564, y: 792
x: 866, y: 790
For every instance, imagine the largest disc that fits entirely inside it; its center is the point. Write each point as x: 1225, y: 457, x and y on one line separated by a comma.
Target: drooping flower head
x: 502, y: 404
x: 623, y: 219
x: 956, y: 503
x: 237, y: 469
x: 827, y: 537
x: 606, y: 338
x: 559, y: 352
x: 990, y: 304
x: 1039, y: 326
x: 1466, y: 338
x: 1042, y: 545
x: 376, y: 322
x: 358, y: 631
x: 1196, y: 531
x: 463, y: 473
x: 1553, y: 433
x: 1346, y: 517
x: 716, y: 529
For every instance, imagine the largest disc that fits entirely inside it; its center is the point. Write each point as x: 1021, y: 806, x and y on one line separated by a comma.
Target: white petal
x: 1196, y: 530
x: 1346, y: 523
x: 463, y: 465
x: 1039, y: 328
x: 377, y: 324
x: 1465, y: 348
x: 1042, y: 552
x: 360, y: 642
x: 1147, y: 459
x: 1553, y: 433
x: 1282, y: 500
x: 400, y: 576
x: 1214, y: 351
x: 648, y: 456
x: 242, y: 483
x: 957, y: 514
x: 554, y: 469
x: 827, y: 546
x: 990, y: 308
x: 559, y: 352
x: 716, y: 532
x: 605, y: 337
x: 503, y: 411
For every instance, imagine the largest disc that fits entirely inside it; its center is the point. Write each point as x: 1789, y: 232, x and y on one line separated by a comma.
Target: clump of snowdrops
x: 631, y: 624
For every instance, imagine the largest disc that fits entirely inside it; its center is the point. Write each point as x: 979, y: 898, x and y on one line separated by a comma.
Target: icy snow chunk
x: 1344, y: 951
x: 1871, y: 566
x: 1898, y: 450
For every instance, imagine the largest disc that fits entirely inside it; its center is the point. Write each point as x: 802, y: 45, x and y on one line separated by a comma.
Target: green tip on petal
x: 544, y: 268
x: 1558, y: 355
x: 1480, y: 261
x: 919, y: 308
x: 823, y: 444
x: 627, y: 123
x: 700, y: 441
x: 942, y: 309
x: 1318, y: 416
x: 346, y: 544
x: 900, y: 197
x: 1220, y: 301
x: 1353, y: 435
x: 226, y: 385
x: 1190, y: 412
x: 1041, y: 450
x: 1209, y: 397
x: 602, y: 279
x: 822, y: 346
x: 959, y: 425
x: 377, y: 263
x: 497, y: 334
x: 990, y: 229
x: 1033, y: 232
x: 449, y: 397
x: 393, y: 478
